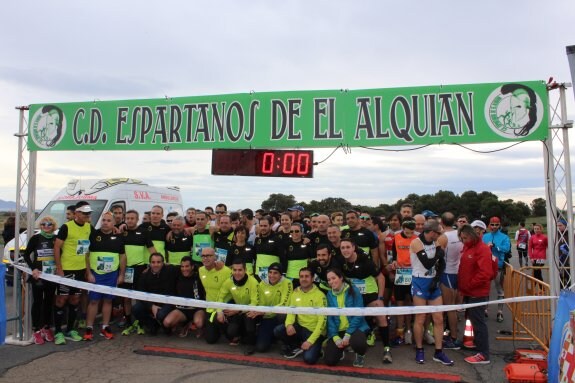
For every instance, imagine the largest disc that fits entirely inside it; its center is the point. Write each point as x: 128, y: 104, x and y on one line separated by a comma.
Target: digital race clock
x: 262, y: 163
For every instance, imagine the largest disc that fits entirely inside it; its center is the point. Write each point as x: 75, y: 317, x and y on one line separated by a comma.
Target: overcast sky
x: 62, y: 51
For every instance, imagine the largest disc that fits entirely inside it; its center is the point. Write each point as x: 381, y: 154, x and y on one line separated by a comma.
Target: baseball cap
x: 494, y: 220
x: 563, y: 222
x: 478, y: 223
x: 429, y: 214
x: 297, y: 208
x: 84, y: 209
x: 275, y: 266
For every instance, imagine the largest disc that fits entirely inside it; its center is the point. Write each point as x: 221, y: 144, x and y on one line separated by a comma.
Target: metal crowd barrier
x: 532, y: 320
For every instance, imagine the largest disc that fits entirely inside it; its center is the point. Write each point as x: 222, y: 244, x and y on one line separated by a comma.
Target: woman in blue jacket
x: 344, y: 330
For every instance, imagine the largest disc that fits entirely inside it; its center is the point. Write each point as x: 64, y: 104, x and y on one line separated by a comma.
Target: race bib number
x: 105, y: 264
x: 403, y: 276
x: 360, y: 284
x: 522, y: 246
x: 221, y: 254
x: 129, y: 275
x: 45, y: 254
x: 83, y: 247
x: 49, y: 267
x: 263, y: 273
x: 198, y: 247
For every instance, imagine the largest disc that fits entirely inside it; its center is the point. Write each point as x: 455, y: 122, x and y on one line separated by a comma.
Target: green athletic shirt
x: 179, y: 246
x: 105, y: 251
x: 136, y: 244
x: 212, y: 281
x: 274, y: 295
x: 76, y: 244
x: 267, y: 251
x: 314, y: 323
x: 201, y: 240
x: 242, y: 295
x: 156, y: 236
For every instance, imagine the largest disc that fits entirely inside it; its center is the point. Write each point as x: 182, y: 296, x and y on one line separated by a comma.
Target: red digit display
x: 264, y: 163
x: 303, y: 163
x: 289, y: 163
x: 268, y: 163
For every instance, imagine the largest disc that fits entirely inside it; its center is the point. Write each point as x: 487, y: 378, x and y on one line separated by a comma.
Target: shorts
x: 188, y: 312
x: 108, y: 279
x: 449, y: 280
x: 420, y: 288
x: 138, y: 271
x: 368, y: 298
x: 77, y: 275
x: 400, y: 292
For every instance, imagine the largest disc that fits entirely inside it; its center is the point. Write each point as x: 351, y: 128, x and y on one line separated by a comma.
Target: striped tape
x: 188, y: 302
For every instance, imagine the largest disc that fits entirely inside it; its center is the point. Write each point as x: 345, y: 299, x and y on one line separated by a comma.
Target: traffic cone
x: 468, y: 336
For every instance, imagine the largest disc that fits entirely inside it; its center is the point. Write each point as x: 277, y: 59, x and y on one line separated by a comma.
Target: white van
x: 102, y: 194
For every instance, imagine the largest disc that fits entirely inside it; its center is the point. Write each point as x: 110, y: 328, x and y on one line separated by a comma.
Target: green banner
x: 476, y: 113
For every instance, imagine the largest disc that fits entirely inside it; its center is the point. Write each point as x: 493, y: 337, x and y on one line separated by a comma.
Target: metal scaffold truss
x: 559, y: 194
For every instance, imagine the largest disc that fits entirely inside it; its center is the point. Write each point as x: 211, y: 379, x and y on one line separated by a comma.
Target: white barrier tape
x: 188, y: 302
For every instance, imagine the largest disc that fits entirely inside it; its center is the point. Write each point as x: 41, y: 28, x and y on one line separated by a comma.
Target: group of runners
x: 345, y: 260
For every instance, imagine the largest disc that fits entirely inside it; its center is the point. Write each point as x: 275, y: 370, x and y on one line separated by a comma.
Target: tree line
x: 474, y: 205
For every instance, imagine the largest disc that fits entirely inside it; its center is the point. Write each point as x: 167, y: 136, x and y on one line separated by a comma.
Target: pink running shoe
x: 47, y: 334
x: 38, y: 339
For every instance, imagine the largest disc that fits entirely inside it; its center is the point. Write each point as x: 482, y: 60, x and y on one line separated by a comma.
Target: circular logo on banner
x: 514, y: 111
x: 47, y: 126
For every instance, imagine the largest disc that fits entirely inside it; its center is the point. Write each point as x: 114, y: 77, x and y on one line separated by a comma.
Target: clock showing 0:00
x: 263, y: 162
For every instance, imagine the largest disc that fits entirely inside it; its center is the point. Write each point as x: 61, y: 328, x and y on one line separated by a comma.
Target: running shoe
x: 235, y: 341
x: 128, y: 330
x: 81, y: 323
x: 47, y: 334
x: 478, y: 358
x: 59, y: 338
x: 451, y: 344
x: 89, y: 334
x: 398, y: 341
x: 38, y: 338
x: 250, y: 350
x: 122, y: 322
x: 106, y: 332
x: 428, y: 337
x: 371, y: 338
x: 73, y: 336
x: 442, y: 358
x: 499, y: 317
x: 293, y: 353
x: 387, y: 358
x: 408, y: 337
x: 359, y: 360
x: 420, y: 356
x: 139, y: 329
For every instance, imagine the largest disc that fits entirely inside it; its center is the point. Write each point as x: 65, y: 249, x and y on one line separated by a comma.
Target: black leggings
x: 42, y: 303
x: 358, y: 343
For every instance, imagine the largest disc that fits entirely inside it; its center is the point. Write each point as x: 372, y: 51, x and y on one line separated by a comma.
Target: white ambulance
x: 102, y: 194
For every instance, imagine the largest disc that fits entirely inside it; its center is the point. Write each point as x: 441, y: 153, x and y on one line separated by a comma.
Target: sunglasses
x: 295, y: 231
x: 170, y: 221
x: 494, y: 224
x: 221, y: 212
x: 364, y: 218
x: 48, y: 224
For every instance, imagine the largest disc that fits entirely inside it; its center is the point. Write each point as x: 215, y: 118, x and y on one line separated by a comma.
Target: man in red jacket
x: 474, y: 280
